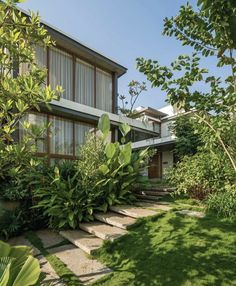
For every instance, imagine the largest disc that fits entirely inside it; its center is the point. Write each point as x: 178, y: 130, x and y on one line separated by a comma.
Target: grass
x: 65, y: 274
x: 173, y: 250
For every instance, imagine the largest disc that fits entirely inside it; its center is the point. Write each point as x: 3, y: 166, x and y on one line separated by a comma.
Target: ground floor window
x: 62, y: 137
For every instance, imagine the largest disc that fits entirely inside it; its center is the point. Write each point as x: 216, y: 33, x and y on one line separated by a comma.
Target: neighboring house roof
x: 149, y: 111
x: 75, y: 46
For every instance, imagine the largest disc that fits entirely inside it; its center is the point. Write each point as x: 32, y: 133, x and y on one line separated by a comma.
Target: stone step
x: 88, y: 270
x: 152, y: 193
x: 163, y: 206
x: 102, y: 230
x: 87, y: 242
x: 115, y: 219
x: 147, y: 197
x: 132, y: 211
x: 159, y: 189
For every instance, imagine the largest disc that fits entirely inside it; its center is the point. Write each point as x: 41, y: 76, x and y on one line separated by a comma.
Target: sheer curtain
x: 84, y: 83
x: 61, y: 136
x: 60, y: 71
x: 81, y: 130
x: 103, y: 90
x: 35, y: 120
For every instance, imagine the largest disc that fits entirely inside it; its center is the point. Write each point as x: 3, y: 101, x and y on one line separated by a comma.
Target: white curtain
x: 103, y: 90
x: 61, y: 136
x: 41, y: 56
x: 84, y: 83
x: 60, y: 71
x: 39, y: 120
x: 81, y: 130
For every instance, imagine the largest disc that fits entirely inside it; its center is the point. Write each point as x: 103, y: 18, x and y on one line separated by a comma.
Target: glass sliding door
x: 61, y: 71
x: 84, y: 83
x: 61, y: 141
x: 103, y: 90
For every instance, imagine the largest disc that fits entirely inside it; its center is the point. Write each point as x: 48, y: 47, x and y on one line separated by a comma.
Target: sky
x: 121, y: 30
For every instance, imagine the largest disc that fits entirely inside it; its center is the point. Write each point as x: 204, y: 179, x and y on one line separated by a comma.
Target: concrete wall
x: 167, y: 161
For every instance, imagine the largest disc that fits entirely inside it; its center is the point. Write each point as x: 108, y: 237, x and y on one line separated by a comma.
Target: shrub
x: 104, y: 175
x: 201, y: 174
x: 223, y: 203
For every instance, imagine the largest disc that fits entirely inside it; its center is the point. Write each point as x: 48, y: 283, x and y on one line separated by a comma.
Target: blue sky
x: 120, y: 29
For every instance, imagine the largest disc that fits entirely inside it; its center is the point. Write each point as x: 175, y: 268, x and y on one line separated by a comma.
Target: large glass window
x: 60, y: 72
x: 61, y: 136
x: 37, y: 130
x: 103, y: 90
x: 81, y: 130
x: 84, y: 83
x: 41, y: 56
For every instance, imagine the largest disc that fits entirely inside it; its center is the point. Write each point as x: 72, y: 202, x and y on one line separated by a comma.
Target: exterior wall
x: 165, y: 129
x: 167, y: 161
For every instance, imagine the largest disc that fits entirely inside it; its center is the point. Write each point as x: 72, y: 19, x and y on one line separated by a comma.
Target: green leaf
x: 110, y: 150
x: 124, y: 129
x: 104, y: 125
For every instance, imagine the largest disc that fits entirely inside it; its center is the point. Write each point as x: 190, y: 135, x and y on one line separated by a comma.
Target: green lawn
x: 173, y: 250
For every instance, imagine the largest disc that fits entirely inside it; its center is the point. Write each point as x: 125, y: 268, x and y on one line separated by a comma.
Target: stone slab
x: 147, y: 197
x: 87, y: 242
x: 49, y: 237
x: 135, y: 212
x: 191, y: 213
x: 102, y: 230
x: 152, y: 193
x: 51, y: 276
x: 115, y: 219
x: 21, y: 240
x: 158, y: 206
x: 86, y: 269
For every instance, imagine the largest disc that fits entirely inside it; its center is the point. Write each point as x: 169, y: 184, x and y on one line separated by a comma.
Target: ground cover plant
x: 172, y: 249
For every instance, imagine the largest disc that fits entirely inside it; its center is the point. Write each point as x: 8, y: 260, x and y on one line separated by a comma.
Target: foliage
x: 223, y: 203
x: 104, y: 174
x: 209, y: 33
x: 187, y: 141
x: 17, y: 266
x: 201, y: 174
x: 20, y: 92
x: 135, y: 90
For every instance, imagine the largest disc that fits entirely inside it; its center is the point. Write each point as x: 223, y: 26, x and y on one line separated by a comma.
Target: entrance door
x: 154, y: 170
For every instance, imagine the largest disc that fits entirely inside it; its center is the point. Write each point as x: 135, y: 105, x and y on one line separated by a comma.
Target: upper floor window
x: 84, y: 83
x: 103, y: 90
x: 60, y: 71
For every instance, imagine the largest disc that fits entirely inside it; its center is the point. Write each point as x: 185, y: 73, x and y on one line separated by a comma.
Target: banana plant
x: 17, y: 266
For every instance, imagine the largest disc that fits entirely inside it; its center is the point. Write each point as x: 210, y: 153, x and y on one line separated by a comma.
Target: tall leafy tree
x: 210, y: 31
x: 19, y: 93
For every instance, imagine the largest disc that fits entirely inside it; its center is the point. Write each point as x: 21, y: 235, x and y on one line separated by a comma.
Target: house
x: 163, y: 144
x: 89, y: 80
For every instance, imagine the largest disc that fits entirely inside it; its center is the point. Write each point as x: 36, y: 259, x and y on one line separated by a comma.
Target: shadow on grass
x: 173, y: 250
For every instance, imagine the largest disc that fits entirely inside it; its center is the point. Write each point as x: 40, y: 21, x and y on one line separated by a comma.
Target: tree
x: 20, y: 92
x: 187, y: 141
x: 209, y: 32
x: 135, y: 89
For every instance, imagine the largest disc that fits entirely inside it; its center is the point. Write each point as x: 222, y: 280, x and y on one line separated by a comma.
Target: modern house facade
x: 89, y: 80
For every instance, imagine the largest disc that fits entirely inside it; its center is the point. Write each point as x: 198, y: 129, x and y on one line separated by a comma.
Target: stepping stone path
x: 90, y: 237
x: 191, y: 213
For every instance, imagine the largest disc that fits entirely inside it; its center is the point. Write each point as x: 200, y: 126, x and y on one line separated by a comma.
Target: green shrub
x: 104, y: 175
x: 223, y: 203
x: 201, y: 174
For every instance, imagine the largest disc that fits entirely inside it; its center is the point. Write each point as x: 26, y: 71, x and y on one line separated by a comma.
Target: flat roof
x: 82, y: 50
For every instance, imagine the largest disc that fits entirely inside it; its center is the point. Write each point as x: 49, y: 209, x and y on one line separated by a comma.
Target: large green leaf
x: 5, y: 275
x: 29, y: 273
x: 104, y: 125
x: 110, y: 150
x: 124, y: 129
x: 125, y: 154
